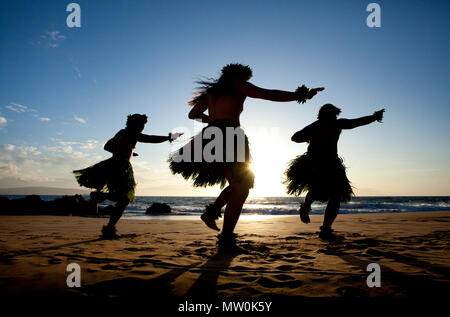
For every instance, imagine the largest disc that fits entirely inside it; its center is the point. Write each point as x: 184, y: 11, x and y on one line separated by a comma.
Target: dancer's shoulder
x: 248, y: 89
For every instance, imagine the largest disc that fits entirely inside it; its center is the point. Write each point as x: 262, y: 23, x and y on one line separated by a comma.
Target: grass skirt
x: 322, y: 178
x: 205, y: 172
x: 112, y: 176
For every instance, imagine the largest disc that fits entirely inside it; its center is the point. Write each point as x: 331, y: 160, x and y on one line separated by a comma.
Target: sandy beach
x: 177, y: 259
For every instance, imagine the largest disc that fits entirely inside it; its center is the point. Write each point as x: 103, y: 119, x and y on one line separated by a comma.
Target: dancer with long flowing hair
x: 223, y: 100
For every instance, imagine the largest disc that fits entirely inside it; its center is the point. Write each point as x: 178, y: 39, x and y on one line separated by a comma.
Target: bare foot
x: 304, y: 213
x: 227, y: 244
x: 109, y: 233
x: 328, y: 234
x: 209, y: 221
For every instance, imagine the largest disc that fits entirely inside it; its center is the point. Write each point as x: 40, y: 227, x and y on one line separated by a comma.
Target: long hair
x: 222, y: 85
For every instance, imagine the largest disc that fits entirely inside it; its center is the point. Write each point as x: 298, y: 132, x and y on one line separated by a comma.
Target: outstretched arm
x: 354, y: 123
x: 253, y: 91
x: 145, y: 138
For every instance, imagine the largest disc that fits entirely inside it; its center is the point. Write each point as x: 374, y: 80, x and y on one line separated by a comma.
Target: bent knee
x: 240, y: 189
x: 123, y: 202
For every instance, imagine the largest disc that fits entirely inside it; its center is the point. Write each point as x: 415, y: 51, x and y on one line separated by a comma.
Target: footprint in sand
x: 201, y: 250
x: 194, y: 244
x: 109, y: 267
x: 283, y: 277
x: 132, y: 249
x: 285, y: 267
x: 54, y: 261
x: 276, y: 256
x: 290, y: 255
x: 142, y: 261
x: 238, y: 268
x: 143, y: 272
x: 184, y: 252
x: 250, y: 279
x: 272, y: 283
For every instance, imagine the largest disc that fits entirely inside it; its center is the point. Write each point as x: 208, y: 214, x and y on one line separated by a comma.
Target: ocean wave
x: 290, y: 205
x: 287, y: 205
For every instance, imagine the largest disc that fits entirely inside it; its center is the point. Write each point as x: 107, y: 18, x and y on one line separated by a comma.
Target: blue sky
x: 65, y: 91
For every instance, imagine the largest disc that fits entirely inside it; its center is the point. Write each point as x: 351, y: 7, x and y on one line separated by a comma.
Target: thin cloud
x: 17, y: 107
x: 63, y: 149
x: 3, y: 122
x: 79, y: 119
x: 77, y: 71
x: 50, y: 39
x: 87, y: 145
x: 56, y: 35
x: 9, y: 147
x: 29, y: 164
x: 28, y: 151
x: 75, y: 67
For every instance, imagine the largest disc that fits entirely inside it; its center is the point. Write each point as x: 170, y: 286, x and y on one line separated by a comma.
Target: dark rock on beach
x: 34, y: 205
x: 158, y: 209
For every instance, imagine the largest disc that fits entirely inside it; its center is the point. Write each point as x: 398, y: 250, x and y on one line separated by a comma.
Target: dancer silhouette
x: 224, y: 100
x: 113, y: 179
x: 320, y: 171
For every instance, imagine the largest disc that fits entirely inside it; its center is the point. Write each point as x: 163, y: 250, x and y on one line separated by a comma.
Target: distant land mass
x: 43, y: 191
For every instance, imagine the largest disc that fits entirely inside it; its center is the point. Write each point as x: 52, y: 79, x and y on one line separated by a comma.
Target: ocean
x: 193, y: 206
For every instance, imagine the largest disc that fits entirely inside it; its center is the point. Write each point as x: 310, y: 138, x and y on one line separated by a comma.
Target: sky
x: 65, y: 91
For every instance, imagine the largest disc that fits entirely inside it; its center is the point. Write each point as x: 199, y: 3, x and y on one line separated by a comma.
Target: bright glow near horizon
x: 268, y: 164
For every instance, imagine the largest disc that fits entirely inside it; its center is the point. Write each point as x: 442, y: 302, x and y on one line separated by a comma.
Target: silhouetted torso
x: 323, y: 137
x: 228, y: 106
x: 124, y: 144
